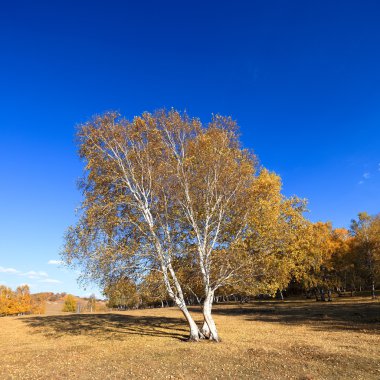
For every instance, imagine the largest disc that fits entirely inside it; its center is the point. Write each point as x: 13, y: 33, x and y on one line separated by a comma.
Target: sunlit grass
x: 262, y: 340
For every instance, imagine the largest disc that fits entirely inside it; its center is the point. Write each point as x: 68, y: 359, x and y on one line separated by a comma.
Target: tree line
x: 20, y: 301
x: 177, y: 211
x: 346, y: 261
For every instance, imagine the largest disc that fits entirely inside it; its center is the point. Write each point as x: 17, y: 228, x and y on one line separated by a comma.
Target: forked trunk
x: 209, y: 329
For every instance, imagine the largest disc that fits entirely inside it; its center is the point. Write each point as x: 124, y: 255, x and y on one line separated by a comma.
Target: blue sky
x: 301, y: 78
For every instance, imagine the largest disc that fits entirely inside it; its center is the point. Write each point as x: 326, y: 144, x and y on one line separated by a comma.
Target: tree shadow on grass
x: 362, y: 316
x: 107, y: 326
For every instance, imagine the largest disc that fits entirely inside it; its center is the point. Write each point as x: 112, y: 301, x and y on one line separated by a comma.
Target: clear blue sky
x: 302, y: 78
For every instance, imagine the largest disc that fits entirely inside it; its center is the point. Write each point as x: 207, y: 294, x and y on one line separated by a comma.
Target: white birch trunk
x: 195, y: 334
x: 209, y: 329
x: 178, y: 298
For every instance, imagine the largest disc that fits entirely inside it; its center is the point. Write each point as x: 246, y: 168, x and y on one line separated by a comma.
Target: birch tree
x: 159, y: 190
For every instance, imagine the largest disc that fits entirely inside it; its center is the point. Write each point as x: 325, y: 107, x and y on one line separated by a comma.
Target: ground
x: 261, y: 340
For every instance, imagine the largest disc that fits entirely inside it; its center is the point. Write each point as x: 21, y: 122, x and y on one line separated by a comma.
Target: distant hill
x: 54, y: 304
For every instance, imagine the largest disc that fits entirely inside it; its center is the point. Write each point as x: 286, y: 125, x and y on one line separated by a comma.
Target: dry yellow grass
x: 262, y: 340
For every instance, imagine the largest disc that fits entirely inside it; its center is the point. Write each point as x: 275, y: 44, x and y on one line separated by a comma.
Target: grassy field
x: 261, y: 340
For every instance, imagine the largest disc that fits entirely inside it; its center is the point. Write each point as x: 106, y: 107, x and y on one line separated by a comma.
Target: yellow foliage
x: 70, y: 304
x: 15, y: 302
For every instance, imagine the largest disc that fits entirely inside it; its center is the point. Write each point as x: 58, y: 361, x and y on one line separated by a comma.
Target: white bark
x: 176, y: 295
x: 195, y: 333
x: 209, y: 327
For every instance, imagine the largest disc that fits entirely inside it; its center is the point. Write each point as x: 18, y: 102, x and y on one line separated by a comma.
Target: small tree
x: 23, y: 299
x: 70, y: 304
x: 6, y: 300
